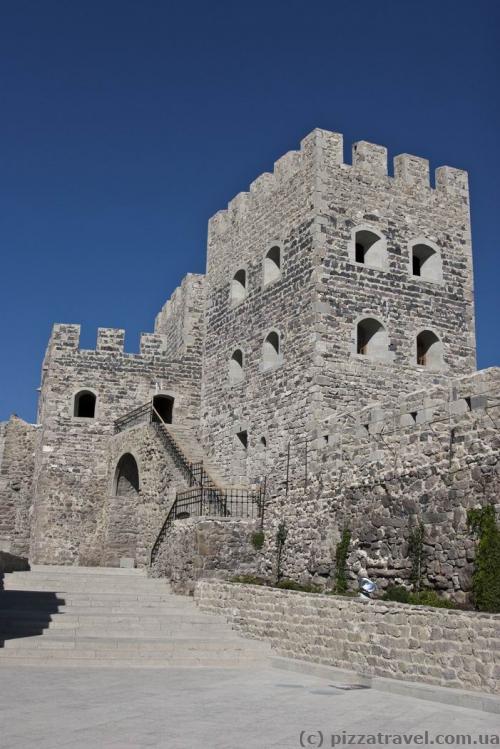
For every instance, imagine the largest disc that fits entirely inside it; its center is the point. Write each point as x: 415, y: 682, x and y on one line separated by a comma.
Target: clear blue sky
x: 125, y: 125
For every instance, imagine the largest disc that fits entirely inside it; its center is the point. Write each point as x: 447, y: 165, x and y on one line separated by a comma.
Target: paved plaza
x: 245, y: 708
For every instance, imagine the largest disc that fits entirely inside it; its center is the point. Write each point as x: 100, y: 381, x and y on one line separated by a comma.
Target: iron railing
x: 194, y: 473
x: 202, y: 501
x: 141, y: 415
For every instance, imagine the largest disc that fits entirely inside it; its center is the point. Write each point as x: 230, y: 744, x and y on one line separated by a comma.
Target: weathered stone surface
x: 341, y: 435
x: 417, y: 643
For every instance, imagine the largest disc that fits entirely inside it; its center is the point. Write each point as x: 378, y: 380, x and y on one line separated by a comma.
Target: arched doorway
x: 163, y: 408
x: 122, y: 517
x: 126, y: 482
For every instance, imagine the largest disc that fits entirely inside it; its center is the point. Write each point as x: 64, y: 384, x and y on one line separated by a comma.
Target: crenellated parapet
x: 110, y: 340
x: 324, y: 149
x: 473, y: 394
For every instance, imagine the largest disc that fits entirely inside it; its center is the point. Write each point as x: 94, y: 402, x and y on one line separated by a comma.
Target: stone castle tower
x: 333, y: 294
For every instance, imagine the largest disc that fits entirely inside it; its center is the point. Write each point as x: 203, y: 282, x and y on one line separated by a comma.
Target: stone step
x: 146, y: 633
x: 52, y: 569
x: 31, y: 617
x: 48, y: 641
x: 95, y: 595
x: 73, y: 659
x: 70, y: 616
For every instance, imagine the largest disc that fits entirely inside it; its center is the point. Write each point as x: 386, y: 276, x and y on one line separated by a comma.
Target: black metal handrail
x: 202, y: 501
x: 194, y: 473
x: 139, y: 415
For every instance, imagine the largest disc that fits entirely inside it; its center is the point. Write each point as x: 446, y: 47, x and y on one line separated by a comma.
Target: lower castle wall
x: 200, y: 547
x: 128, y: 524
x: 380, y: 482
x: 16, y: 484
x: 449, y: 648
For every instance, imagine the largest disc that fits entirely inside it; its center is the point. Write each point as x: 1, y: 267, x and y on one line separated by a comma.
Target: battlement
x: 322, y: 149
x: 110, y: 341
x: 469, y: 394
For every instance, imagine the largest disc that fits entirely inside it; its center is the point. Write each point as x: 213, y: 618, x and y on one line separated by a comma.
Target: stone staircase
x: 190, y: 447
x: 70, y: 616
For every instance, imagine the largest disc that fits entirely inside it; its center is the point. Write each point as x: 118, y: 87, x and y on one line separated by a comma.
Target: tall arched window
x: 371, y: 339
x: 425, y: 262
x: 429, y: 350
x: 271, y: 350
x: 126, y: 483
x: 239, y: 286
x: 236, y: 371
x: 84, y: 404
x: 272, y: 265
x: 369, y: 248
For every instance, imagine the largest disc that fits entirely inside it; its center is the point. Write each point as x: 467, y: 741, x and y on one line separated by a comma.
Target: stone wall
x: 309, y: 207
x: 128, y: 522
x: 16, y: 484
x: 384, y: 472
x: 195, y: 548
x: 72, y: 471
x: 180, y: 320
x: 450, y: 648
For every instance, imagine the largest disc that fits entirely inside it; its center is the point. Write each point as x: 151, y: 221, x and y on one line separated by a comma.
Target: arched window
x: 271, y: 351
x: 429, y: 350
x: 272, y: 265
x: 426, y: 262
x: 84, y: 404
x: 369, y: 248
x: 126, y: 482
x: 236, y: 371
x: 239, y: 286
x: 371, y: 339
x: 163, y: 408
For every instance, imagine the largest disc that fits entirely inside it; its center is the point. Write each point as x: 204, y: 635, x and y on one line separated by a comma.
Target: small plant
x: 397, y: 593
x: 417, y: 555
x: 341, y: 554
x: 257, y: 540
x: 281, y: 536
x: 486, y: 576
x: 293, y: 585
x: 249, y: 580
x: 425, y: 597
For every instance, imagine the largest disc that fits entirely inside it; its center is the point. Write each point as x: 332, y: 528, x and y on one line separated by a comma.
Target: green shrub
x: 429, y: 597
x: 281, y: 536
x: 257, y: 540
x: 249, y: 580
x: 341, y: 554
x: 486, y: 575
x: 293, y: 585
x: 397, y: 593
x: 417, y: 556
x: 424, y: 597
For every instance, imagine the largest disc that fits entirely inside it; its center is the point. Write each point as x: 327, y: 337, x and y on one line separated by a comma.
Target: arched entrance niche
x: 126, y: 482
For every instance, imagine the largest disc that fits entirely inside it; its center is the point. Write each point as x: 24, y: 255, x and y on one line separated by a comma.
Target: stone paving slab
x: 206, y: 709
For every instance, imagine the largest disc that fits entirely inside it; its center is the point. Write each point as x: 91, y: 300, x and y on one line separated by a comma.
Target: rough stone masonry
x: 327, y: 356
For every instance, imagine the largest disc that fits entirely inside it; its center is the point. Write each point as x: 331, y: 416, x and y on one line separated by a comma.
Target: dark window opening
x: 263, y: 441
x: 413, y: 415
x: 163, y: 409
x: 429, y: 349
x: 416, y: 265
x: 85, y: 404
x: 243, y: 438
x: 360, y: 253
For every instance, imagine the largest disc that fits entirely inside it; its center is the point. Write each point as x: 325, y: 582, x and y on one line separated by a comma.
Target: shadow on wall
x: 24, y: 613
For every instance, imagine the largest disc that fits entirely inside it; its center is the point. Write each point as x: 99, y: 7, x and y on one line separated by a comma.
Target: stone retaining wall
x: 206, y: 547
x: 450, y: 648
